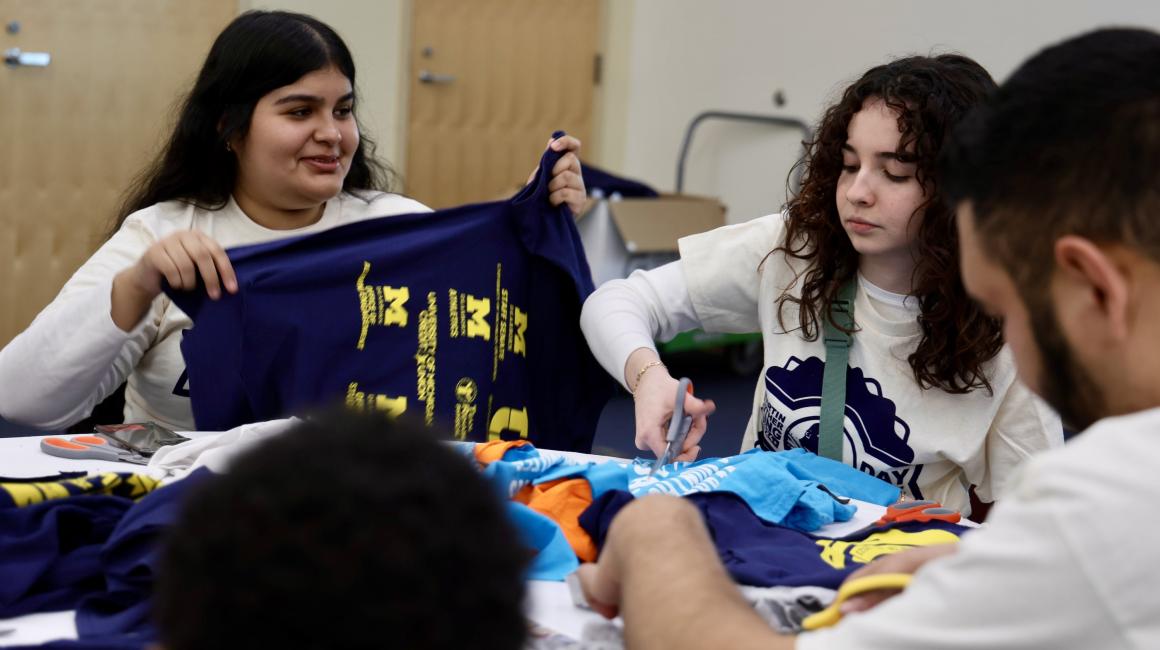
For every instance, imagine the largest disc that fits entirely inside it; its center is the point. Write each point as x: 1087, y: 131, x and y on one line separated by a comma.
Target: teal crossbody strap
x: 833, y: 415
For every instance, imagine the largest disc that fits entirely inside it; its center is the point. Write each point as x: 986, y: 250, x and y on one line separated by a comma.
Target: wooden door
x: 73, y: 134
x: 489, y: 82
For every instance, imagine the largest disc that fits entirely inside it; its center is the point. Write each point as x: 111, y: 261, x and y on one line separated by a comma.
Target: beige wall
x: 667, y: 60
x: 377, y: 31
x: 613, y: 93
x: 685, y: 56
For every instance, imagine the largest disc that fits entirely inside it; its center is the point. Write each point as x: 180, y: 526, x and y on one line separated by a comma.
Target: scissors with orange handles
x: 88, y: 448
x: 919, y: 511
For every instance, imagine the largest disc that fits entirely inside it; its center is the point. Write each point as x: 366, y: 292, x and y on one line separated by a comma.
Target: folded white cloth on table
x: 215, y: 452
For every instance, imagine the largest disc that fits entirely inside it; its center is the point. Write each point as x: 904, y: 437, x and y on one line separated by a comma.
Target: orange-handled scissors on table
x: 920, y: 511
x: 88, y: 448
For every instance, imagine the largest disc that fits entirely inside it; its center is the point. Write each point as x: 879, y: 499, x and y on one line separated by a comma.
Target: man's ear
x: 1099, y: 283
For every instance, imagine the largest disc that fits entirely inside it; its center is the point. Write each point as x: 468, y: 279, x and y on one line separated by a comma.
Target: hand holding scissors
x: 652, y: 390
x: 679, y: 426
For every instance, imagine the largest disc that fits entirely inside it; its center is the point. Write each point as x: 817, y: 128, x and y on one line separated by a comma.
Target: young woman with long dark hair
x: 266, y: 146
x: 932, y: 404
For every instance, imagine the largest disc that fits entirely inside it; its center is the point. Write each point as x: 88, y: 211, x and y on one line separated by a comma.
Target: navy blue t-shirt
x: 596, y: 179
x: 96, y: 553
x: 762, y: 554
x: 467, y: 316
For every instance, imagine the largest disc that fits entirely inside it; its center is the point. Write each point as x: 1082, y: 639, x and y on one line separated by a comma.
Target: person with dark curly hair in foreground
x: 350, y: 531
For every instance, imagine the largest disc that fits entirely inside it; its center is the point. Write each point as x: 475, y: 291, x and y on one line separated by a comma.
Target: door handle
x: 14, y: 56
x: 428, y: 77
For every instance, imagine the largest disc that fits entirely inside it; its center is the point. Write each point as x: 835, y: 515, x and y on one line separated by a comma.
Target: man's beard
x: 1064, y: 383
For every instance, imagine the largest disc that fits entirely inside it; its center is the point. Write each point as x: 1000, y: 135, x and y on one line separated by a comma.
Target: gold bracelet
x: 640, y: 374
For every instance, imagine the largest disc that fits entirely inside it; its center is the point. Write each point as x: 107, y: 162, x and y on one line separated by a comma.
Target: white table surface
x: 549, y: 603
x: 22, y: 458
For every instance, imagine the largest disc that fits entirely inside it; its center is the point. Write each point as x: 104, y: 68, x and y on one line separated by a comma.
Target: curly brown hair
x: 930, y: 95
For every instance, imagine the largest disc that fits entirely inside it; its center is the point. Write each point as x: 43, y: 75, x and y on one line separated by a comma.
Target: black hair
x: 349, y: 531
x: 1070, y: 144
x: 258, y: 52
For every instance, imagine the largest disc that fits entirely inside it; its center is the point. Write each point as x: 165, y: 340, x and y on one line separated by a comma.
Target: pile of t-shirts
x: 752, y: 503
x: 90, y: 543
x: 759, y: 508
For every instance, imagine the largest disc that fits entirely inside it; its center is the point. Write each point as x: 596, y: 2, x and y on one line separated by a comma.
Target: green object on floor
x: 698, y: 340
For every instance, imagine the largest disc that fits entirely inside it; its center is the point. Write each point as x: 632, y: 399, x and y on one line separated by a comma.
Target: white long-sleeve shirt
x: 1065, y: 561
x: 72, y: 356
x: 930, y: 443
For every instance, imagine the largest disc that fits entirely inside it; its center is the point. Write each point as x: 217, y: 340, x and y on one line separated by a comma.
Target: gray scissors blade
x: 679, y: 426
x: 663, y: 460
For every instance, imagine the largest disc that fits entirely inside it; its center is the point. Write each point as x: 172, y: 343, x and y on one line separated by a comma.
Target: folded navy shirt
x: 95, y: 553
x: 607, y: 183
x: 129, y: 562
x: 758, y: 553
x: 50, y: 552
x: 467, y: 316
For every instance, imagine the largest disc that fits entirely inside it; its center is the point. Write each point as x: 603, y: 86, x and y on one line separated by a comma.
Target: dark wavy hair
x: 256, y: 53
x: 930, y: 95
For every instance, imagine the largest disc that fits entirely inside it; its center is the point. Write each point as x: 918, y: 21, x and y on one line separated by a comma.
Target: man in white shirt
x: 1056, y: 183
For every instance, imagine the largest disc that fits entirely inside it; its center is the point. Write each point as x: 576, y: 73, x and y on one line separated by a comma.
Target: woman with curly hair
x: 932, y: 404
